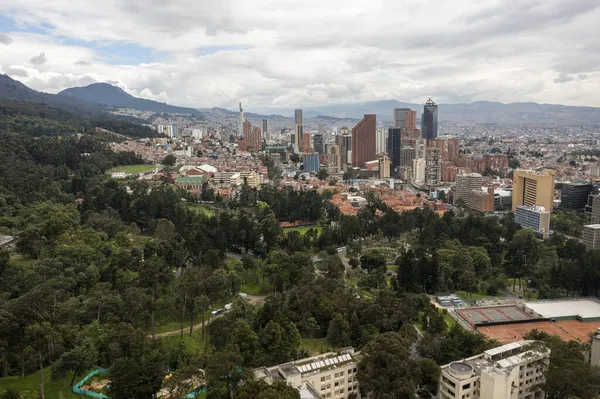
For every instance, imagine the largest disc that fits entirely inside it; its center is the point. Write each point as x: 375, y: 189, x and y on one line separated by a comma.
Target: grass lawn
x: 303, y: 229
x: 200, y: 208
x: 25, y: 263
x: 315, y: 346
x: 172, y: 325
x: 192, y: 345
x: 52, y: 389
x: 473, y: 295
x: 252, y: 288
x: 449, y: 320
x: 134, y: 168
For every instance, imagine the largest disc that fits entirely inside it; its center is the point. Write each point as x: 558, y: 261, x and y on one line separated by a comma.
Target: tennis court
x: 496, y: 314
x: 567, y: 330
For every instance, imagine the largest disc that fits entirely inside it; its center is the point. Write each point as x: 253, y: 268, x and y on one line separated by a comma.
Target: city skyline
x: 203, y: 55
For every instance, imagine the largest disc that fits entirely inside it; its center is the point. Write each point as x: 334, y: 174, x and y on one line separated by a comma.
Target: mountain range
x: 98, y: 97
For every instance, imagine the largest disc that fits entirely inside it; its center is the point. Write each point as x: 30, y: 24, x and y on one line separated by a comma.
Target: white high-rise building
x: 418, y: 171
x: 421, y: 148
x: 381, y: 140
x: 241, y: 121
x: 513, y: 371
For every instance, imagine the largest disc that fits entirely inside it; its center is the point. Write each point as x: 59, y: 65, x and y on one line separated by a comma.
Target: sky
x: 287, y: 53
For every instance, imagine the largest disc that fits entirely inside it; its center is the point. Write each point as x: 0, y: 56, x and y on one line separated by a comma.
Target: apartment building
x: 465, y: 183
x: 513, y: 371
x: 227, y: 179
x: 332, y: 375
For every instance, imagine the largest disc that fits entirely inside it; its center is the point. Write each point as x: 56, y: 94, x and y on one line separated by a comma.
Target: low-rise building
x: 591, y: 236
x: 331, y: 375
x: 512, y: 371
x: 535, y: 218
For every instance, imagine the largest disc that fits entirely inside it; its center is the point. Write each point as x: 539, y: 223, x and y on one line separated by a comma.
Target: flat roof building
x: 512, y: 371
x: 591, y: 236
x: 574, y: 196
x: 535, y: 218
x: 364, y: 141
x: 533, y: 188
x: 331, y: 375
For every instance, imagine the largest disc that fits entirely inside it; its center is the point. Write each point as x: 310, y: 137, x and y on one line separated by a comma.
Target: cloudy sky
x: 279, y: 53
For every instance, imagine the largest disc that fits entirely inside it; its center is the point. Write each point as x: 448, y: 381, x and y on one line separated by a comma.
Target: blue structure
x: 174, y: 130
x: 77, y: 387
x: 311, y: 162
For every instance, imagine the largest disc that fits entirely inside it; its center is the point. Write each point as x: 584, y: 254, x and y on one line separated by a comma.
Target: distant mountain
x: 112, y: 96
x: 477, y: 112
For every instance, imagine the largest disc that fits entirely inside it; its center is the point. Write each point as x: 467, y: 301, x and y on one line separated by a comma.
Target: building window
x: 322, y: 379
x: 466, y: 386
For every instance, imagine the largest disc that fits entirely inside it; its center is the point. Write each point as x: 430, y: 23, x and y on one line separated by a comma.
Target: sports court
x: 567, y: 330
x: 496, y: 314
x: 585, y: 309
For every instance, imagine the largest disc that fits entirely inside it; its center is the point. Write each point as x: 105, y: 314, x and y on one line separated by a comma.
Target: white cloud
x: 305, y: 52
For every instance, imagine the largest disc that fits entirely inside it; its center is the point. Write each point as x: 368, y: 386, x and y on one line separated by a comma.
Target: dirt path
x: 254, y: 300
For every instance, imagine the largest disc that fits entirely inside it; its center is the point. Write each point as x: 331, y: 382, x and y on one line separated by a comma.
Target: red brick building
x: 364, y: 141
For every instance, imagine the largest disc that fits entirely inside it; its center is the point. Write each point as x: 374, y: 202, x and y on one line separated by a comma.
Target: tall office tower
x: 333, y: 159
x: 321, y: 129
x: 306, y: 143
x: 254, y: 141
x: 465, y: 183
x: 420, y: 148
x: 247, y: 129
x: 433, y: 171
x: 594, y: 208
x: 441, y: 144
x: 318, y: 143
x: 384, y: 167
x: 574, y: 196
x: 429, y: 121
x: 393, y: 147
x: 342, y: 143
x: 347, y: 156
x: 418, y: 170
x: 241, y: 121
x: 405, y: 118
x: 533, y: 188
x: 407, y: 154
x: 453, y: 149
x: 363, y: 141
x: 380, y: 144
x: 299, y: 127
x: 265, y: 125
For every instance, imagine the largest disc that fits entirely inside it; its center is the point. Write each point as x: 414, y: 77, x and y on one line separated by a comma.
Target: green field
x: 31, y: 385
x: 315, y: 346
x: 200, y: 208
x: 134, y: 168
x: 172, y: 325
x: 303, y: 229
x: 252, y: 288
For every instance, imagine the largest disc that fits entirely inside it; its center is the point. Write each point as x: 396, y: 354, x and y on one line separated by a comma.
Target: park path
x: 254, y: 300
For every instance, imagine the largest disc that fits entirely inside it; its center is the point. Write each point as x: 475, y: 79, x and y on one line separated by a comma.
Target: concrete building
x: 429, y: 121
x: 533, y: 188
x: 535, y: 218
x: 594, y: 205
x: 453, y: 149
x: 433, y: 171
x: 228, y: 179
x: 595, y: 170
x: 405, y: 118
x: 591, y: 236
x: 465, y: 183
x: 311, y: 162
x: 306, y: 143
x: 420, y: 148
x: 381, y: 139
x: 481, y: 200
x: 512, y: 371
x: 496, y: 162
x: 265, y: 130
x: 299, y: 127
x: 241, y: 121
x: 407, y: 154
x: 384, y: 167
x: 331, y: 375
x: 574, y: 196
x: 333, y: 159
x: 363, y: 141
x: 418, y: 170
x: 394, y: 147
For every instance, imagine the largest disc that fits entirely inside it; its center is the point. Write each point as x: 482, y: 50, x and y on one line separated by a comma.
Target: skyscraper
x: 533, y: 188
x: 407, y: 155
x: 453, y: 149
x: 363, y: 141
x: 380, y: 144
x: 429, y: 121
x: 405, y: 118
x: 393, y: 147
x: 299, y: 127
x: 264, y: 128
x: 433, y: 171
x: 318, y: 143
x: 241, y: 121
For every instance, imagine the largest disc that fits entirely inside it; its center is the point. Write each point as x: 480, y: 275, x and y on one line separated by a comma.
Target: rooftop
x: 584, y: 308
x: 592, y: 226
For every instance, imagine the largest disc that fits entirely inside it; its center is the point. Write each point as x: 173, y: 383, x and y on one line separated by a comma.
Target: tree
x: 322, y: 174
x: 279, y: 341
x: 77, y: 360
x: 42, y: 338
x: 169, y: 160
x: 253, y: 389
x: 387, y: 370
x: 372, y: 260
x: 338, y: 332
